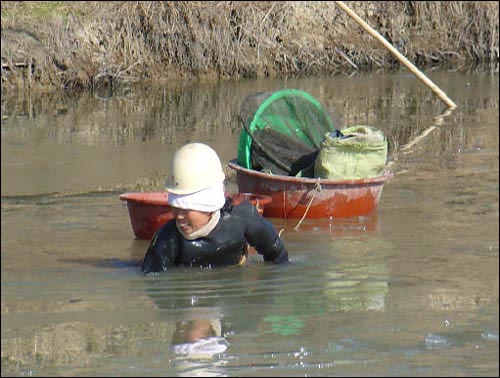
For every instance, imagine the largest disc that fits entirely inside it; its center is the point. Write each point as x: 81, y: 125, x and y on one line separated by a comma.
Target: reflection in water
x: 436, y: 121
x: 360, y: 293
x: 121, y: 139
x: 354, y: 226
x: 199, y: 343
x: 216, y: 309
x: 198, y: 338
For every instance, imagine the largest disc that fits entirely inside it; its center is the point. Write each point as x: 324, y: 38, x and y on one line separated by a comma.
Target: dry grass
x: 90, y: 44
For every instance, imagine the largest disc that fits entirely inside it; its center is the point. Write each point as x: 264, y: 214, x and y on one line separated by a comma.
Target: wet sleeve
x: 162, y: 251
x: 262, y: 235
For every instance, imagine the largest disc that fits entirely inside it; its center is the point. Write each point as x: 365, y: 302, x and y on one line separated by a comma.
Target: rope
x: 284, y: 204
x: 318, y: 189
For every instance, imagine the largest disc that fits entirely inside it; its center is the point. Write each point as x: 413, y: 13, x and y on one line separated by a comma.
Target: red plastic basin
x: 297, y: 197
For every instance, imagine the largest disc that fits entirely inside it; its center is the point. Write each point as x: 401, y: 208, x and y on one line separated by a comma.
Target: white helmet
x: 194, y: 167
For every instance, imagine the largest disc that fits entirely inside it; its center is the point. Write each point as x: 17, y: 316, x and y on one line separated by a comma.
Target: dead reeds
x: 92, y: 44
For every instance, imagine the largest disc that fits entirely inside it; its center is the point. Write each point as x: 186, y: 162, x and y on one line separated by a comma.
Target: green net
x: 282, y: 132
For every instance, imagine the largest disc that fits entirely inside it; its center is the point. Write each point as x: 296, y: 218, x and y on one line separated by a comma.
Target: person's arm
x: 162, y: 250
x: 262, y: 235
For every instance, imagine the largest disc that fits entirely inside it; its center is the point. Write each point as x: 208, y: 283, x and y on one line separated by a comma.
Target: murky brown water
x: 412, y: 290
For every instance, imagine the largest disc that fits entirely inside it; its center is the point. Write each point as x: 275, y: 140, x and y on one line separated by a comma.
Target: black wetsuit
x: 224, y: 245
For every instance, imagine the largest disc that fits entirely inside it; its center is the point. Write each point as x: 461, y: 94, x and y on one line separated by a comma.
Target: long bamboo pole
x: 400, y: 57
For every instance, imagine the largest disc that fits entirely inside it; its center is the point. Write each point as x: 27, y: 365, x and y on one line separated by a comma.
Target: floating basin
x: 297, y: 197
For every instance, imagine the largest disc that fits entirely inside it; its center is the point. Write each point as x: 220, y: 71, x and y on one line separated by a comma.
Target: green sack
x: 358, y: 152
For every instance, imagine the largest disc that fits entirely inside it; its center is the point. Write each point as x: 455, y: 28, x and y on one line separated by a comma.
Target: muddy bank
x: 79, y: 45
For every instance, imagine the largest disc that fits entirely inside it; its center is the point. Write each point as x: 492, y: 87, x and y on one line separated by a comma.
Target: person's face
x: 190, y: 220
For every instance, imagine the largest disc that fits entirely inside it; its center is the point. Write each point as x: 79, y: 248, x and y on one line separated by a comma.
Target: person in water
x: 207, y: 230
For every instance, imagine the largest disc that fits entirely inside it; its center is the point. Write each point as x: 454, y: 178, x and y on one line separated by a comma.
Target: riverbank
x: 82, y: 45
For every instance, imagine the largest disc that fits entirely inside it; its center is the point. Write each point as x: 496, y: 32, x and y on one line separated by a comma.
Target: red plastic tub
x: 295, y: 197
x: 148, y: 211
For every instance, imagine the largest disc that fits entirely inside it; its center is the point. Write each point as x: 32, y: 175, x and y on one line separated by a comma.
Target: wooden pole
x: 400, y: 57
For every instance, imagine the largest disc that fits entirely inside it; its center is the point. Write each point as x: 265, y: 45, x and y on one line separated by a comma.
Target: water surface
x: 411, y: 290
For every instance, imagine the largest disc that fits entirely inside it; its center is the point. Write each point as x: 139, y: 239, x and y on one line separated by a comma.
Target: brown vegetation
x: 89, y: 44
